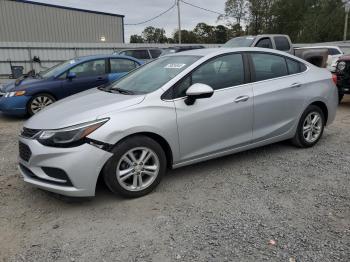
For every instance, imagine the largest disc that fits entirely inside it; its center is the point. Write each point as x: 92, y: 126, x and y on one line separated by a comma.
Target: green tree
x: 136, y: 39
x: 187, y: 37
x: 205, y: 33
x: 154, y: 35
x: 235, y: 9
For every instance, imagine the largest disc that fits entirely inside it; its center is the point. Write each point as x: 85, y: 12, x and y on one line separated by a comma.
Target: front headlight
x: 16, y: 93
x: 69, y: 136
x: 341, y: 66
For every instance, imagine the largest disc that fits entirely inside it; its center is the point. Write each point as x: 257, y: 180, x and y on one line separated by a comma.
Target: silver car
x: 175, y: 111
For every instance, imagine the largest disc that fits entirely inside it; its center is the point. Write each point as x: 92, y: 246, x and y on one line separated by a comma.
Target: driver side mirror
x: 198, y: 91
x: 71, y: 75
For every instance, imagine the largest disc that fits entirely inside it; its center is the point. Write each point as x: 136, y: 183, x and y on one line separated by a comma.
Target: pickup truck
x: 316, y: 56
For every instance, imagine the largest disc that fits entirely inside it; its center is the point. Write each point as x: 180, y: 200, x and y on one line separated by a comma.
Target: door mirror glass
x: 198, y: 91
x: 71, y: 75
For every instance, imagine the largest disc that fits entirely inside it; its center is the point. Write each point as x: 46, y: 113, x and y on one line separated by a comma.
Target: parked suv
x: 144, y: 54
x: 343, y: 76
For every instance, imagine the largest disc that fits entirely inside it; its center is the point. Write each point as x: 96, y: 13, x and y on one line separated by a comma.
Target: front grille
x: 29, y: 133
x: 24, y: 151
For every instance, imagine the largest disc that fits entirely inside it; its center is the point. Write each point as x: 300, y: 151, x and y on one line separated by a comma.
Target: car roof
x: 222, y: 50
x: 92, y: 57
x: 138, y: 48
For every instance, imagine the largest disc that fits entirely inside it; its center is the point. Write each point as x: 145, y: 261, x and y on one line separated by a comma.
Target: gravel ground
x: 276, y: 203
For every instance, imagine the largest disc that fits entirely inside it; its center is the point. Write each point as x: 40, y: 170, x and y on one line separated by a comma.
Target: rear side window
x: 333, y: 51
x: 140, y: 54
x: 268, y: 66
x: 264, y: 43
x: 221, y: 72
x: 155, y: 53
x: 282, y: 43
x: 293, y: 66
x: 122, y: 65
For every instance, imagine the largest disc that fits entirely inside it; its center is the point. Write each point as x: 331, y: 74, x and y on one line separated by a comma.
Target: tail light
x: 334, y: 78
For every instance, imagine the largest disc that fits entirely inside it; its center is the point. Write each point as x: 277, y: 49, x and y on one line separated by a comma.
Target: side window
x: 90, y: 68
x: 221, y: 72
x: 333, y: 51
x: 302, y: 67
x: 155, y: 52
x: 293, y: 66
x: 282, y: 43
x: 264, y: 43
x: 268, y: 66
x: 122, y: 65
x: 140, y: 54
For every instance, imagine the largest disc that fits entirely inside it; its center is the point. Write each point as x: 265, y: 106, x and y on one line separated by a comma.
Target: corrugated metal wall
x: 20, y: 21
x: 50, y: 54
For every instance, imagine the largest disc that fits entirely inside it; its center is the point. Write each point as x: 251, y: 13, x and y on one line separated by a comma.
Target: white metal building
x: 28, y: 21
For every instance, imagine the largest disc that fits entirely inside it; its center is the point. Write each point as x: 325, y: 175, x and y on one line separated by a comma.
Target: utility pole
x: 347, y: 9
x: 179, y: 19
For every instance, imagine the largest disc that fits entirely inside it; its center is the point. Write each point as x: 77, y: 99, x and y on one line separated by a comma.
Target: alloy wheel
x: 312, y: 127
x: 137, y: 169
x: 39, y: 103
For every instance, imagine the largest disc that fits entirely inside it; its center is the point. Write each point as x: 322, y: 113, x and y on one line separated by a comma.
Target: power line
x: 205, y: 9
x: 153, y: 18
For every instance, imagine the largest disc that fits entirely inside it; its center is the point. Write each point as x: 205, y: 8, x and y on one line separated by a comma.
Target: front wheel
x: 39, y: 102
x: 310, y: 127
x: 136, y: 167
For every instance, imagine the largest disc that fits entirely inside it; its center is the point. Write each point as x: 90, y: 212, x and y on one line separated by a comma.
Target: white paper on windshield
x: 174, y: 66
x: 72, y: 62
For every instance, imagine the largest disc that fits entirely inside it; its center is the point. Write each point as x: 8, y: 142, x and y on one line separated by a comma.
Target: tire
x: 299, y: 139
x: 340, y: 97
x: 121, y: 172
x: 39, y: 102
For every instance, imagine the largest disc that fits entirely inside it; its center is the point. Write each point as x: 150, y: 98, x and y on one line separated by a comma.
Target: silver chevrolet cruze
x: 177, y: 110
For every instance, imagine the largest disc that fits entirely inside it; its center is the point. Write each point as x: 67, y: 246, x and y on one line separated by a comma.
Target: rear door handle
x: 295, y: 85
x: 241, y: 99
x: 100, y: 78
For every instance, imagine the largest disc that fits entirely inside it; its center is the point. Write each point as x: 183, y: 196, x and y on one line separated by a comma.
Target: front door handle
x: 241, y: 99
x: 295, y: 85
x: 100, y: 78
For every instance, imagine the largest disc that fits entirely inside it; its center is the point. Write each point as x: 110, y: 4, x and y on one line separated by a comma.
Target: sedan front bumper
x: 67, y: 171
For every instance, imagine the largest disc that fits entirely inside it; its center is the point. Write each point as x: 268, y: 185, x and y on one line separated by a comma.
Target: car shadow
x: 104, y: 195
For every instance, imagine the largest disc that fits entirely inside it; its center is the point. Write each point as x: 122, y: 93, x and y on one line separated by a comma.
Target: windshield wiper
x: 122, y: 91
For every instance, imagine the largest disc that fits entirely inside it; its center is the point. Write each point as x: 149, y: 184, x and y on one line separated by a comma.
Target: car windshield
x: 56, y: 69
x: 153, y: 75
x: 240, y: 42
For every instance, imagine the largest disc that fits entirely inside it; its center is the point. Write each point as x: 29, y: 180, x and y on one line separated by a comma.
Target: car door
x: 120, y: 67
x: 278, y: 94
x: 221, y: 122
x: 88, y: 74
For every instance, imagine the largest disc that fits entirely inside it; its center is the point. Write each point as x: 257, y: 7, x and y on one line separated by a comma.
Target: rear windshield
x: 240, y: 42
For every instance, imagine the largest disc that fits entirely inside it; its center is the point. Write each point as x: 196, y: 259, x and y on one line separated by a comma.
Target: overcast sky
x: 139, y: 10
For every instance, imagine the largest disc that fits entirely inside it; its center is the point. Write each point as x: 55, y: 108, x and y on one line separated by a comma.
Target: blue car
x: 27, y: 96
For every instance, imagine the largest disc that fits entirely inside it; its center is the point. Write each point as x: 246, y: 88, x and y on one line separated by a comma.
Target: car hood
x: 20, y: 84
x: 80, y: 108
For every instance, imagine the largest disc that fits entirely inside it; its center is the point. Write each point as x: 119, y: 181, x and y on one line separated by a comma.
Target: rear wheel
x: 39, y: 102
x: 136, y: 167
x: 340, y: 97
x: 310, y: 127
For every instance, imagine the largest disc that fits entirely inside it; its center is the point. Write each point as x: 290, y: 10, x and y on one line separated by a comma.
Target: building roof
x: 68, y: 8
